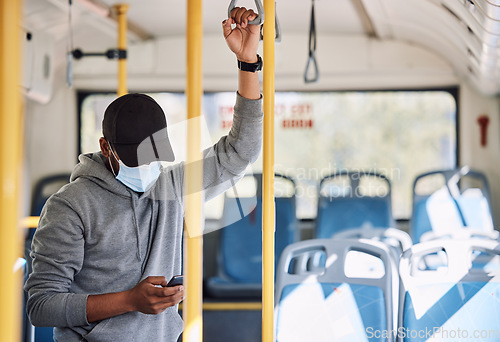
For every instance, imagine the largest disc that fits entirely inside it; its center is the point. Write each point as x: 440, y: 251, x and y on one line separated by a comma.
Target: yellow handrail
x: 268, y: 213
x: 11, y: 126
x: 30, y: 222
x: 193, y: 253
x: 229, y: 306
x: 121, y: 12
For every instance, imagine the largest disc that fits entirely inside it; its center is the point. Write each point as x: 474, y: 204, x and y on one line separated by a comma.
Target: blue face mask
x: 140, y: 178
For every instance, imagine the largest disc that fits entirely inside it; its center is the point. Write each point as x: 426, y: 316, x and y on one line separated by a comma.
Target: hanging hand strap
x: 312, y: 51
x: 69, y: 55
x: 277, y: 27
x: 260, y: 10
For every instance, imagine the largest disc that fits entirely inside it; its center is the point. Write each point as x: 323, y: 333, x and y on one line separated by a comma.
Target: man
x: 109, y: 241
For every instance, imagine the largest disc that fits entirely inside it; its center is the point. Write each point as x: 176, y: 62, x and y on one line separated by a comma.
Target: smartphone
x: 175, y: 281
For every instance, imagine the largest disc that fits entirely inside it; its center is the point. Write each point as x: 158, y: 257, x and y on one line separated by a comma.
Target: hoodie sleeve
x: 226, y: 161
x: 57, y: 254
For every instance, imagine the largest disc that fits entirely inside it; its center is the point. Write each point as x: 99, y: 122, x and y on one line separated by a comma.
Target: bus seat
x: 438, y: 259
x: 354, y: 199
x: 396, y: 239
x: 450, y: 199
x: 452, y: 299
x: 239, y: 259
x: 45, y: 188
x: 476, y: 209
x: 339, y: 298
x: 461, y: 234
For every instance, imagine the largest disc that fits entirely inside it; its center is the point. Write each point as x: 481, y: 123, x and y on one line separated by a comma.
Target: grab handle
x: 277, y: 27
x: 260, y: 10
x: 311, y: 60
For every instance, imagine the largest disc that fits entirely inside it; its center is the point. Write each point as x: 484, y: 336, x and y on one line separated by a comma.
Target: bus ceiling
x: 464, y: 33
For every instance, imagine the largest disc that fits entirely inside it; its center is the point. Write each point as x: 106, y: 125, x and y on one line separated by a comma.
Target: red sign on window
x: 297, y: 123
x: 299, y: 115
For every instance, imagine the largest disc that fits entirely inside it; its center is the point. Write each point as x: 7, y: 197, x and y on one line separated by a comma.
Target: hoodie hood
x: 92, y: 166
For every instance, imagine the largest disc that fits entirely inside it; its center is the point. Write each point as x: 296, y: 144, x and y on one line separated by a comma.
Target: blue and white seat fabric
x: 456, y: 302
x: 447, y: 200
x: 326, y: 291
x: 349, y: 200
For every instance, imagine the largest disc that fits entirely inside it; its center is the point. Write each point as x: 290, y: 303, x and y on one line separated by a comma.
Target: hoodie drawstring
x: 138, y: 254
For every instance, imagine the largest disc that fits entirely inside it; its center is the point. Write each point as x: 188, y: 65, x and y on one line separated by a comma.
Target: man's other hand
x: 151, y: 296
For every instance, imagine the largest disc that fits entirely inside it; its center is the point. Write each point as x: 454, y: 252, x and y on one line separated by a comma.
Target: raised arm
x: 243, y: 41
x: 227, y: 160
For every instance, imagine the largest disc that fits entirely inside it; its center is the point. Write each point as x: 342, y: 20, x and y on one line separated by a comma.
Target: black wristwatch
x: 251, y: 67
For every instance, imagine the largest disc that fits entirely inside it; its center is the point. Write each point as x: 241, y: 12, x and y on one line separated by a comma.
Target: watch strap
x: 251, y: 67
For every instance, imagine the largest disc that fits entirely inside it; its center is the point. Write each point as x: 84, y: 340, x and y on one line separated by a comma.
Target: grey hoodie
x: 97, y: 236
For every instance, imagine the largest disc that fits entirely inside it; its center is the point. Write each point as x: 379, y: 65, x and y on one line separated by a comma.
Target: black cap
x: 136, y: 127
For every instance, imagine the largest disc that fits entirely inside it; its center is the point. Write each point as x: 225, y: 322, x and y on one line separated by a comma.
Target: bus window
x: 397, y: 133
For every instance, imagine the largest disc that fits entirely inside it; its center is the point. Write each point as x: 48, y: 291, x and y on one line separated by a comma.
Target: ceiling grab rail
x: 121, y: 11
x: 312, y: 51
x: 119, y: 53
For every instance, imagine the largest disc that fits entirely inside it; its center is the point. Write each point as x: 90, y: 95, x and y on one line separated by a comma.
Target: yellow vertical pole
x: 121, y: 12
x: 268, y: 212
x: 11, y: 123
x: 193, y: 179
